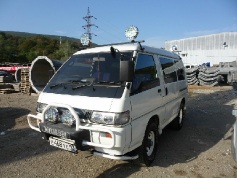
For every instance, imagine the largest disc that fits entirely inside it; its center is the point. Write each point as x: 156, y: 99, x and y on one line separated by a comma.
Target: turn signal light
x: 105, y: 134
x: 108, y: 135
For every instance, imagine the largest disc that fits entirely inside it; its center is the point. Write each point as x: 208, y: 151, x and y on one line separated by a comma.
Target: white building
x: 215, y: 48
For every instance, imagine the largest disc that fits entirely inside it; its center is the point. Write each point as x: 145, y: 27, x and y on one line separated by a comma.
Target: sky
x: 157, y: 20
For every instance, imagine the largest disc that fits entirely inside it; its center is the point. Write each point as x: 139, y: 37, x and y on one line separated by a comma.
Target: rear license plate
x: 63, y: 144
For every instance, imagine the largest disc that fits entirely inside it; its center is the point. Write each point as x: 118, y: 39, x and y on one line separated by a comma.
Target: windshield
x: 96, y: 67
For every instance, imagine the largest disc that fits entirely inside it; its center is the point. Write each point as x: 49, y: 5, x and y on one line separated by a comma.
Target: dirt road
x: 201, y: 149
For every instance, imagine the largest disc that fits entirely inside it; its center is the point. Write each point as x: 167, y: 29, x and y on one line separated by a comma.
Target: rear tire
x: 148, y: 149
x: 178, y: 121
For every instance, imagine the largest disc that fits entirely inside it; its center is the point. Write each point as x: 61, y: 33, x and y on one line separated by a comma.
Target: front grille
x: 84, y: 114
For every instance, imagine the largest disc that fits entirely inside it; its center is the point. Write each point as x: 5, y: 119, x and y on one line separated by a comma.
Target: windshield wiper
x: 62, y: 84
x: 76, y: 81
x: 79, y: 86
x: 85, y: 81
x: 109, y: 82
x: 55, y: 85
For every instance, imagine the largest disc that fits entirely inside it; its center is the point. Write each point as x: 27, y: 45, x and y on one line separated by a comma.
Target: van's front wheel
x: 149, y: 145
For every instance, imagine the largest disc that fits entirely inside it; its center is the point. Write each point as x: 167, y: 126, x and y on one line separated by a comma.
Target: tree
x: 26, y: 49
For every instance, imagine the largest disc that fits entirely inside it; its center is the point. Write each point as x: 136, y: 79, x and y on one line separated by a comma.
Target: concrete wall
x: 214, y: 48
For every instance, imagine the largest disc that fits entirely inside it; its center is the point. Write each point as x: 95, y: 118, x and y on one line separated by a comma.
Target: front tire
x: 148, y: 149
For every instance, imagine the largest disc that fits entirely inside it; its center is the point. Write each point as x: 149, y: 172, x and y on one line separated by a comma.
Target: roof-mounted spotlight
x: 85, y: 39
x: 131, y: 33
x: 174, y: 48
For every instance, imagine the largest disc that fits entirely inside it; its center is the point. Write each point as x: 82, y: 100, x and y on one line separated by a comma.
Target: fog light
x: 67, y: 118
x: 51, y: 114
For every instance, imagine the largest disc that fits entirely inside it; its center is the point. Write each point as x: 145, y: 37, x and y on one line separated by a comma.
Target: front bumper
x: 85, y: 135
x: 82, y: 134
x: 88, y: 135
x: 60, y: 130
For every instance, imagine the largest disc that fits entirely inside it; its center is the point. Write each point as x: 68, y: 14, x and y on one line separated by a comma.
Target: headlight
x: 111, y: 118
x: 52, y: 114
x: 40, y: 107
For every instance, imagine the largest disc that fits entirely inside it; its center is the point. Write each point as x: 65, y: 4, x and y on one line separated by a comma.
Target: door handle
x: 166, y: 91
x: 159, y: 90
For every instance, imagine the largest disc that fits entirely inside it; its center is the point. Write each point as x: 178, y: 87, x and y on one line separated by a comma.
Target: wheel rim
x: 150, y: 143
x: 180, y: 116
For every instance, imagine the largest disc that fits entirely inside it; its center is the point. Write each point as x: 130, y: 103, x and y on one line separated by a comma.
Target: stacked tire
x: 192, y: 74
x: 203, y: 76
x: 209, y: 76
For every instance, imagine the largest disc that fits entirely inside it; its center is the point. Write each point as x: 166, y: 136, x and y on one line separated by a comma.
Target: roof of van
x: 129, y: 47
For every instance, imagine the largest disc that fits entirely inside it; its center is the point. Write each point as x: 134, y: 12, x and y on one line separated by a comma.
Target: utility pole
x: 87, y: 37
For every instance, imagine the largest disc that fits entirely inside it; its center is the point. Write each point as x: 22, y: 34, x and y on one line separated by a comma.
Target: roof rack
x: 138, y: 42
x: 142, y: 41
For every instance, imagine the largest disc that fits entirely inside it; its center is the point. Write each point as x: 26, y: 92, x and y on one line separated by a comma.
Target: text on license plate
x: 63, y: 144
x: 55, y: 132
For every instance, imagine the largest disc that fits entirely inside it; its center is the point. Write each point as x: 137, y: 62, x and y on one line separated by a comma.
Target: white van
x: 114, y: 99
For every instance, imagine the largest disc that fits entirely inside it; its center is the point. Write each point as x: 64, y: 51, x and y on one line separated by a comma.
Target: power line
x: 113, y: 31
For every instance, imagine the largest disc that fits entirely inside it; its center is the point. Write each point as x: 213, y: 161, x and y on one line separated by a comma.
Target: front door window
x: 145, y: 76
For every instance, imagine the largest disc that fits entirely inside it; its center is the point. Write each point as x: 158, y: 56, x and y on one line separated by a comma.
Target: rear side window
x: 145, y: 74
x: 180, y: 73
x: 180, y: 69
x: 168, y: 69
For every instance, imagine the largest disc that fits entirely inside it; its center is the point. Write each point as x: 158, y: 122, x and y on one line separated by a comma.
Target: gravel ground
x: 201, y: 149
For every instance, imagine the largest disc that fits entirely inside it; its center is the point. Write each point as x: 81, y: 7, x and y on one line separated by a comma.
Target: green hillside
x: 25, y: 35
x: 24, y: 47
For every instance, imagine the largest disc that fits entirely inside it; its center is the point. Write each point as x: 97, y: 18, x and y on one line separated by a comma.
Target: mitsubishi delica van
x: 113, y: 100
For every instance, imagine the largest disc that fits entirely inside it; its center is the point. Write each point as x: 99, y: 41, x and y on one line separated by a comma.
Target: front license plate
x: 54, y: 131
x: 68, y: 145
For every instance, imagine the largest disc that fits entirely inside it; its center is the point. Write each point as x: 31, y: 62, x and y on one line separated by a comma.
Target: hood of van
x: 97, y: 98
x: 80, y: 102
x: 95, y: 91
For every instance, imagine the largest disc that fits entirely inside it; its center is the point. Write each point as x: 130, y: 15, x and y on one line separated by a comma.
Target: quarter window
x: 169, y: 70
x: 180, y: 73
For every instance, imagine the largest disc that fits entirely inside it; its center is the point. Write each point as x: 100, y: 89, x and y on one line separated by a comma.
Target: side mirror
x: 126, y: 71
